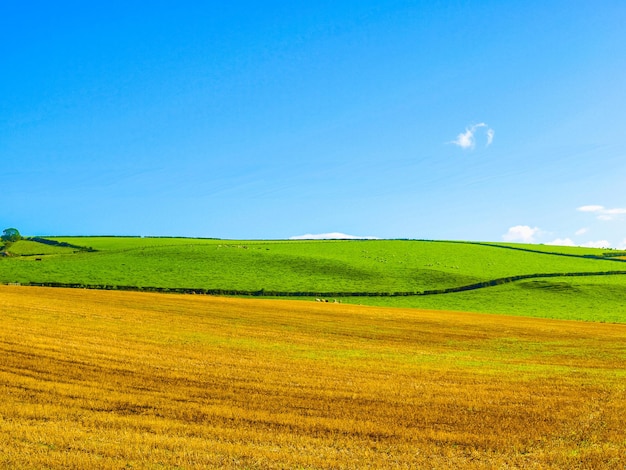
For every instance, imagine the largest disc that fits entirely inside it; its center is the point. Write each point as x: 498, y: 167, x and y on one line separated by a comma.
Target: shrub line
x: 270, y: 293
x: 604, y: 257
x: 46, y: 241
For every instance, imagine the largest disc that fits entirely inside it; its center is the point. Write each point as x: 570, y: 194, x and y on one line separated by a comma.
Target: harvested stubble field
x: 101, y: 379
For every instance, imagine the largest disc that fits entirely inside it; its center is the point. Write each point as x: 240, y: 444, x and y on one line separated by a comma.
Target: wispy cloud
x: 589, y: 244
x: 597, y: 244
x: 467, y: 139
x: 590, y: 208
x: 581, y: 231
x: 521, y: 233
x: 562, y: 242
x: 490, y: 134
x: 331, y: 236
x: 616, y: 211
x: 602, y: 213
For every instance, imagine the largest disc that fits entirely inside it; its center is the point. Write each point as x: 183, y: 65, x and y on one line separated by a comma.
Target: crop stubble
x: 114, y: 379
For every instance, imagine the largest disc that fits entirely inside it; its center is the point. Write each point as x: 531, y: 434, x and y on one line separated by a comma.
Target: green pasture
x: 566, y: 250
x: 377, y: 267
x: 381, y: 266
x: 30, y: 248
x: 130, y: 243
x: 593, y: 298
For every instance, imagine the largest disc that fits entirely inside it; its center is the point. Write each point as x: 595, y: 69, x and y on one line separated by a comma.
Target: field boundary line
x: 271, y: 293
x: 554, y: 253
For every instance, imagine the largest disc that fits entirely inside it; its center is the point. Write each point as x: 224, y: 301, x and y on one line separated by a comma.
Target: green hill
x: 385, y: 272
x: 33, y: 248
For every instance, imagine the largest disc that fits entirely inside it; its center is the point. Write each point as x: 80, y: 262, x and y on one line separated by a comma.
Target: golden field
x: 112, y: 380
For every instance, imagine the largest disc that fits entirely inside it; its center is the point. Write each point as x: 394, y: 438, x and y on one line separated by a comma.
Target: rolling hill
x: 496, y: 278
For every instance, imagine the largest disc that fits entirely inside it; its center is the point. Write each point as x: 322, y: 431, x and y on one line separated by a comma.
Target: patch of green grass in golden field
x: 98, y: 379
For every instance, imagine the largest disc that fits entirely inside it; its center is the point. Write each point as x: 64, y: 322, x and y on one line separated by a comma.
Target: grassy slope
x: 372, y: 266
x: 342, y: 266
x: 30, y: 248
x: 572, y: 250
x: 118, y: 380
x: 594, y: 298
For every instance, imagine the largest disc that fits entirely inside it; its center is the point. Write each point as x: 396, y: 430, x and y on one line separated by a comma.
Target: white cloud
x: 622, y: 246
x: 490, y: 134
x: 590, y: 208
x: 597, y: 244
x: 589, y: 244
x: 602, y: 212
x: 330, y: 236
x: 616, y: 211
x: 562, y: 242
x: 466, y: 140
x: 581, y: 231
x: 521, y: 233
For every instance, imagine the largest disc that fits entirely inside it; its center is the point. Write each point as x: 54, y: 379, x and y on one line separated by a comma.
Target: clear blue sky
x: 476, y: 120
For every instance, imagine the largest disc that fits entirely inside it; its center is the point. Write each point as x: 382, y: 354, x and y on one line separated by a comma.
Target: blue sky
x: 483, y: 120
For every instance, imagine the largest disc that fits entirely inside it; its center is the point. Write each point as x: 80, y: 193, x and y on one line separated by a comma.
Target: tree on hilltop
x: 10, y: 235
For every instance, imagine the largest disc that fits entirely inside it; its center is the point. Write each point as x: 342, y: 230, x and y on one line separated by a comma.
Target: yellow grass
x: 94, y: 379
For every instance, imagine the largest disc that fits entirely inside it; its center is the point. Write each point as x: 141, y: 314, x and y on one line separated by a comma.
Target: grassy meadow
x: 593, y: 298
x: 377, y: 268
x: 104, y: 379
